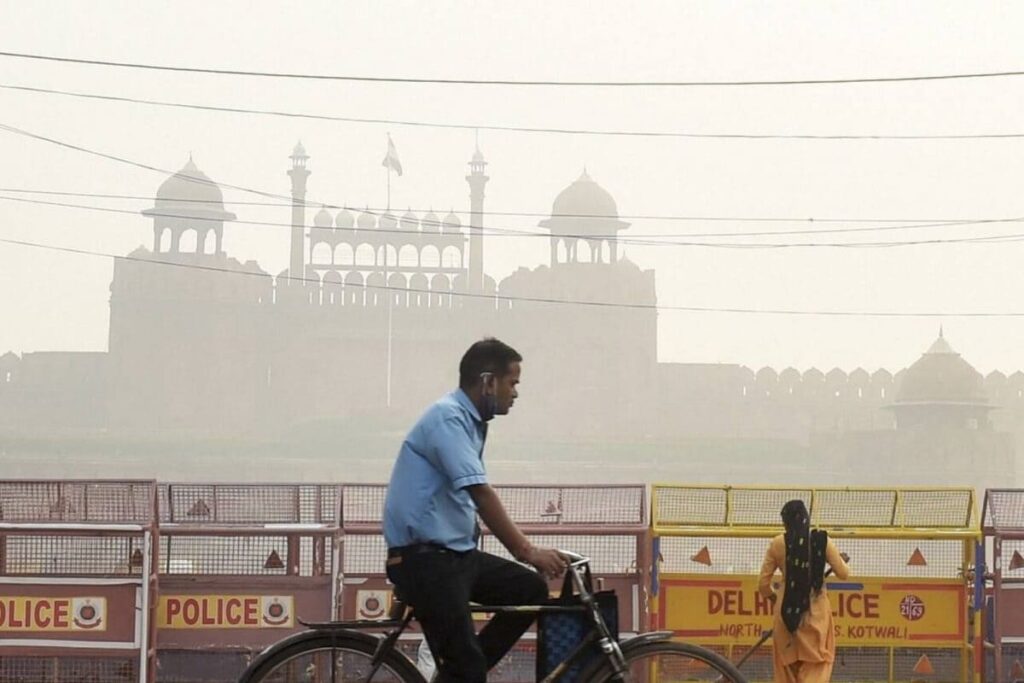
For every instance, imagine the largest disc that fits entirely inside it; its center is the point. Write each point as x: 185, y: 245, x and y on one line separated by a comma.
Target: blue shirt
x: 427, y: 500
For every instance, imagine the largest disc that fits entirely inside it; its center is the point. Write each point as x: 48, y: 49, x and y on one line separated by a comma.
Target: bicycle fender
x: 626, y: 646
x: 298, y: 638
x: 643, y: 638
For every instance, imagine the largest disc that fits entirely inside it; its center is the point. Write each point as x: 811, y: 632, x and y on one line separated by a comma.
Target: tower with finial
x: 584, y: 224
x: 298, y: 173
x: 188, y: 214
x: 477, y: 180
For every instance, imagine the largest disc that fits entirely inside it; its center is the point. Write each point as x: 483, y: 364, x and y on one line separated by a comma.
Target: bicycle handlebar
x: 575, y: 559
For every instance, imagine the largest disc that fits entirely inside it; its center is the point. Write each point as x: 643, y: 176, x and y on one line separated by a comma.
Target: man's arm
x: 548, y: 562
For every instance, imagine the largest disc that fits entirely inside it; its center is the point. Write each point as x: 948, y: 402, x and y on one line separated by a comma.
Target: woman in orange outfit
x: 803, y: 635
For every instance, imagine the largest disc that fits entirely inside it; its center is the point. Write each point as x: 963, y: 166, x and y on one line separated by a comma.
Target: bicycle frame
x: 599, y: 632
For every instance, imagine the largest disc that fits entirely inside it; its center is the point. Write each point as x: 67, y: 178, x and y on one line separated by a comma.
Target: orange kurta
x: 806, y: 655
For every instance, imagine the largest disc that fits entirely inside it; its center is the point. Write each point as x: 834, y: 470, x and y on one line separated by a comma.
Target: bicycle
x: 349, y: 651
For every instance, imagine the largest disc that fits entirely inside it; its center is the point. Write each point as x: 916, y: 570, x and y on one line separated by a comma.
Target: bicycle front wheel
x: 325, y: 658
x: 665, y: 661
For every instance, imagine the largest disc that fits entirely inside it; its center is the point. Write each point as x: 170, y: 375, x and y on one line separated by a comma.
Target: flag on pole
x: 391, y: 160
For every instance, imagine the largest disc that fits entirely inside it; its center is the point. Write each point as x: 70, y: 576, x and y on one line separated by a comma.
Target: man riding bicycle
x: 438, y: 487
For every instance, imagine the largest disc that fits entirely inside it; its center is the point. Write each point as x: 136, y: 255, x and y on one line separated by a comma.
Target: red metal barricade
x: 240, y: 564
x: 606, y: 523
x: 77, y: 581
x: 1003, y: 527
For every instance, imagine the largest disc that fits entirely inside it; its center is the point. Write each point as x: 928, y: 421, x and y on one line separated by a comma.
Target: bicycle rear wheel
x: 666, y: 661
x: 322, y: 657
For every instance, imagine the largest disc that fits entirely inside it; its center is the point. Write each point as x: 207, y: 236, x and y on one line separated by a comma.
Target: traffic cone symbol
x: 924, y: 666
x: 1017, y: 561
x: 273, y: 561
x: 917, y: 559
x: 703, y: 557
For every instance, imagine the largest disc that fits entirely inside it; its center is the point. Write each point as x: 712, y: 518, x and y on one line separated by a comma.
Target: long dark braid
x: 805, y: 563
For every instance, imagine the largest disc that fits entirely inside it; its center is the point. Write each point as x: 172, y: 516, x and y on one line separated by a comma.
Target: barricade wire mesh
x: 225, y: 555
x: 608, y: 554
x: 574, y: 505
x: 760, y: 507
x: 1004, y: 509
x: 81, y: 502
x: 936, y: 509
x: 681, y: 506
x: 249, y: 504
x: 72, y: 555
x: 605, y: 505
x: 363, y: 504
x: 946, y: 662
x: 690, y: 506
x: 868, y: 557
x: 854, y: 508
x: 201, y: 666
x: 364, y: 554
x: 1012, y: 655
x: 727, y: 555
x: 861, y: 664
x: 66, y: 669
x: 1010, y: 547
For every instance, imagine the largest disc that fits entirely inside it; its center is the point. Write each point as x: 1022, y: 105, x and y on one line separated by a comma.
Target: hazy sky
x: 59, y: 301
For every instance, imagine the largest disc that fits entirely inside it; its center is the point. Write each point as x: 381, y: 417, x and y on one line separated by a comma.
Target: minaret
x: 298, y: 174
x: 477, y: 179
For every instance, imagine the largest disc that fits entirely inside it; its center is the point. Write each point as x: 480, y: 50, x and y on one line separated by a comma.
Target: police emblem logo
x: 372, y: 604
x: 89, y: 613
x: 277, y: 610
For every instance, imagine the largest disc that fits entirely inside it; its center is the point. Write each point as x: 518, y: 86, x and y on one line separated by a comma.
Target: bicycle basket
x: 559, y: 633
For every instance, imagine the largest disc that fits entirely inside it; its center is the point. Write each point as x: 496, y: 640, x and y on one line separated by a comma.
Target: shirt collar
x: 463, y: 400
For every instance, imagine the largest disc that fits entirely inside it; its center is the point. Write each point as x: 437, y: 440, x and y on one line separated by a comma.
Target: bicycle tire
x: 290, y: 664
x: 667, y: 661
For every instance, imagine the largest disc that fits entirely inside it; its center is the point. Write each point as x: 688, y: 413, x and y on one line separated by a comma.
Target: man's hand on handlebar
x: 549, y: 563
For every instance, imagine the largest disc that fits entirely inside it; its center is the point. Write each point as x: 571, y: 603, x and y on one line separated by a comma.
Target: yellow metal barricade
x: 903, y: 615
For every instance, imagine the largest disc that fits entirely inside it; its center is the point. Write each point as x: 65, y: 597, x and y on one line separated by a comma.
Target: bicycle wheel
x: 665, y: 661
x: 325, y: 658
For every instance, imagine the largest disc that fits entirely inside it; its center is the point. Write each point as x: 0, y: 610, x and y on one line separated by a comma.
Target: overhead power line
x: 509, y: 232
x: 542, y: 300
x: 512, y: 82
x: 504, y: 128
x: 489, y: 212
x: 206, y: 181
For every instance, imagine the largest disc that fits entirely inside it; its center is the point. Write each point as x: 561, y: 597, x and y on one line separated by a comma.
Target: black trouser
x: 440, y: 584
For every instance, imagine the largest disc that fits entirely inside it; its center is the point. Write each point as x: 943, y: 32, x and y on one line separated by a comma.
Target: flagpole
x: 390, y: 295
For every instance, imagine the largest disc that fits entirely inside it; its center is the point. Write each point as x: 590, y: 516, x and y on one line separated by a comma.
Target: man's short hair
x: 486, y: 355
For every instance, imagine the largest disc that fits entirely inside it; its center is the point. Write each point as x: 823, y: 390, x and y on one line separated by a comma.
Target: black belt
x: 416, y: 549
